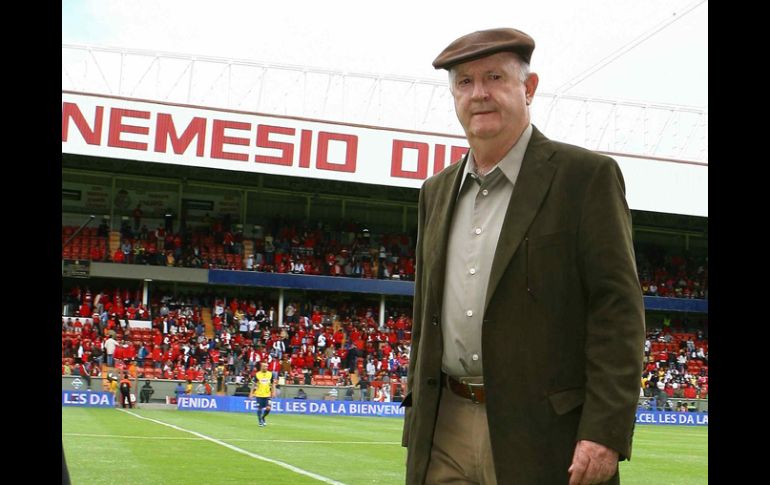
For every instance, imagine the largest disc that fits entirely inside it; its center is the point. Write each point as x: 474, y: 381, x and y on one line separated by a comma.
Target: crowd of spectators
x: 344, y: 249
x: 315, y: 343
x: 347, y: 249
x: 671, y: 275
x: 676, y: 364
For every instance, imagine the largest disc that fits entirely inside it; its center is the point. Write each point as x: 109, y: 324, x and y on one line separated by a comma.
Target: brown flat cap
x: 484, y: 43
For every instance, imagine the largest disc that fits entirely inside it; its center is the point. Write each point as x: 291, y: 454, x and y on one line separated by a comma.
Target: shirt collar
x: 510, y: 164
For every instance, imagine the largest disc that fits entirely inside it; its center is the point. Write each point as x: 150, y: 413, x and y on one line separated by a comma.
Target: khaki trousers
x: 461, y: 453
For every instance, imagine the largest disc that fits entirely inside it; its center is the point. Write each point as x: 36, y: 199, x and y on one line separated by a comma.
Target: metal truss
x: 621, y: 127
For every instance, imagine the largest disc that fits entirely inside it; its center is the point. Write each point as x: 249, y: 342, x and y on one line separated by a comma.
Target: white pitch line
x: 292, y: 468
x: 320, y: 442
x: 122, y: 437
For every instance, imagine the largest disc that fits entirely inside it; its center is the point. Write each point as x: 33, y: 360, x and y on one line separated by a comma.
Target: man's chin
x: 483, y: 132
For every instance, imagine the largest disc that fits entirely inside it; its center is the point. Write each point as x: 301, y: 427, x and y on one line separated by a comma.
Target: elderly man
x: 528, y: 314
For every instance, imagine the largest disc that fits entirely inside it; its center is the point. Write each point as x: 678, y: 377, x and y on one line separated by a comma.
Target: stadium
x: 219, y: 213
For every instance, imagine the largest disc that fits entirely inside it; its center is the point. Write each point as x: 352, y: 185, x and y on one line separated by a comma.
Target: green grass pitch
x: 108, y: 446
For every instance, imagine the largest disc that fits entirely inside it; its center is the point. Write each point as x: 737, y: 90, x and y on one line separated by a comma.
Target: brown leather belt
x: 474, y: 392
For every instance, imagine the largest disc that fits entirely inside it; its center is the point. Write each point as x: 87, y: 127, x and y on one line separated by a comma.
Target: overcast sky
x: 654, y: 51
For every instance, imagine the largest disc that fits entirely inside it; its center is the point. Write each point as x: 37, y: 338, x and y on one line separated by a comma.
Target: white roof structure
x: 618, y: 127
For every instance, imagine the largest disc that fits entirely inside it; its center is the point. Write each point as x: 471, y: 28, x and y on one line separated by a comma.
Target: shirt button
x: 484, y: 192
x: 477, y: 230
x: 475, y: 356
x: 469, y: 313
x: 472, y: 271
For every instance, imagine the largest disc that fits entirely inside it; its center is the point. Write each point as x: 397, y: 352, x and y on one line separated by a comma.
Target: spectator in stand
x: 371, y: 369
x: 157, y: 356
x: 141, y: 355
x: 290, y: 314
x: 104, y: 228
x: 690, y: 391
x: 85, y: 307
x: 110, y: 344
x: 127, y: 250
x: 274, y: 366
x: 703, y: 356
x: 79, y: 350
x: 379, y: 394
x: 97, y: 354
x: 82, y: 370
x: 321, y: 344
x: 278, y: 349
x: 334, y: 363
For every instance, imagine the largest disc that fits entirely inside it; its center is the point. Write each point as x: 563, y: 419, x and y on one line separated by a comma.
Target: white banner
x: 103, y: 126
x: 154, y: 132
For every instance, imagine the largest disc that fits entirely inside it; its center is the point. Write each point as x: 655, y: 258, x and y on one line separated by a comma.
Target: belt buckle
x: 470, y: 387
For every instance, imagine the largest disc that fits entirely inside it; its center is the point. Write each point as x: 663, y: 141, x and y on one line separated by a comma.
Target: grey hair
x: 522, y: 68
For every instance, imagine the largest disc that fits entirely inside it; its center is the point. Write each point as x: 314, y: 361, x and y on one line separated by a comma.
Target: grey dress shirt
x: 478, y: 217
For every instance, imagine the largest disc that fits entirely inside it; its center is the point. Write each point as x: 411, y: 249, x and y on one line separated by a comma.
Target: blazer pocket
x: 567, y: 400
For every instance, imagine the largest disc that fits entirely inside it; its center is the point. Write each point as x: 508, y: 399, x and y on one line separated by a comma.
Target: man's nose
x: 479, y: 91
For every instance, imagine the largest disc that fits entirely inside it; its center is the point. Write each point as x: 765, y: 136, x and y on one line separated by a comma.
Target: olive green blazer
x: 563, y: 326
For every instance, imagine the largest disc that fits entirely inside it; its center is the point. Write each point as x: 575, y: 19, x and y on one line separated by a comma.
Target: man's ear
x: 530, y: 86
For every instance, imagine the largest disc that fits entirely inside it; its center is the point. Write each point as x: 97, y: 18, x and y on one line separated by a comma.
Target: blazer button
x: 435, y: 320
x: 432, y: 381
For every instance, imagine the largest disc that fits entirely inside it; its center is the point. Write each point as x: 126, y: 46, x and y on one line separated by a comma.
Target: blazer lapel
x: 436, y: 244
x: 531, y: 187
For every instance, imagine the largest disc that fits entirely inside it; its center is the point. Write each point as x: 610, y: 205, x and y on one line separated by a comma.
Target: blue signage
x: 88, y: 399
x: 336, y: 408
x: 237, y: 404
x: 677, y: 418
x: 204, y: 403
x: 310, y: 282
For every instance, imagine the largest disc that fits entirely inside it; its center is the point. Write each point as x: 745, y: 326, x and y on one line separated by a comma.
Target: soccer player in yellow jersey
x: 263, y: 391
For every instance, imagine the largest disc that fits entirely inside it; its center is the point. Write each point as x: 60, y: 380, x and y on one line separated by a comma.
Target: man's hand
x: 592, y: 463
